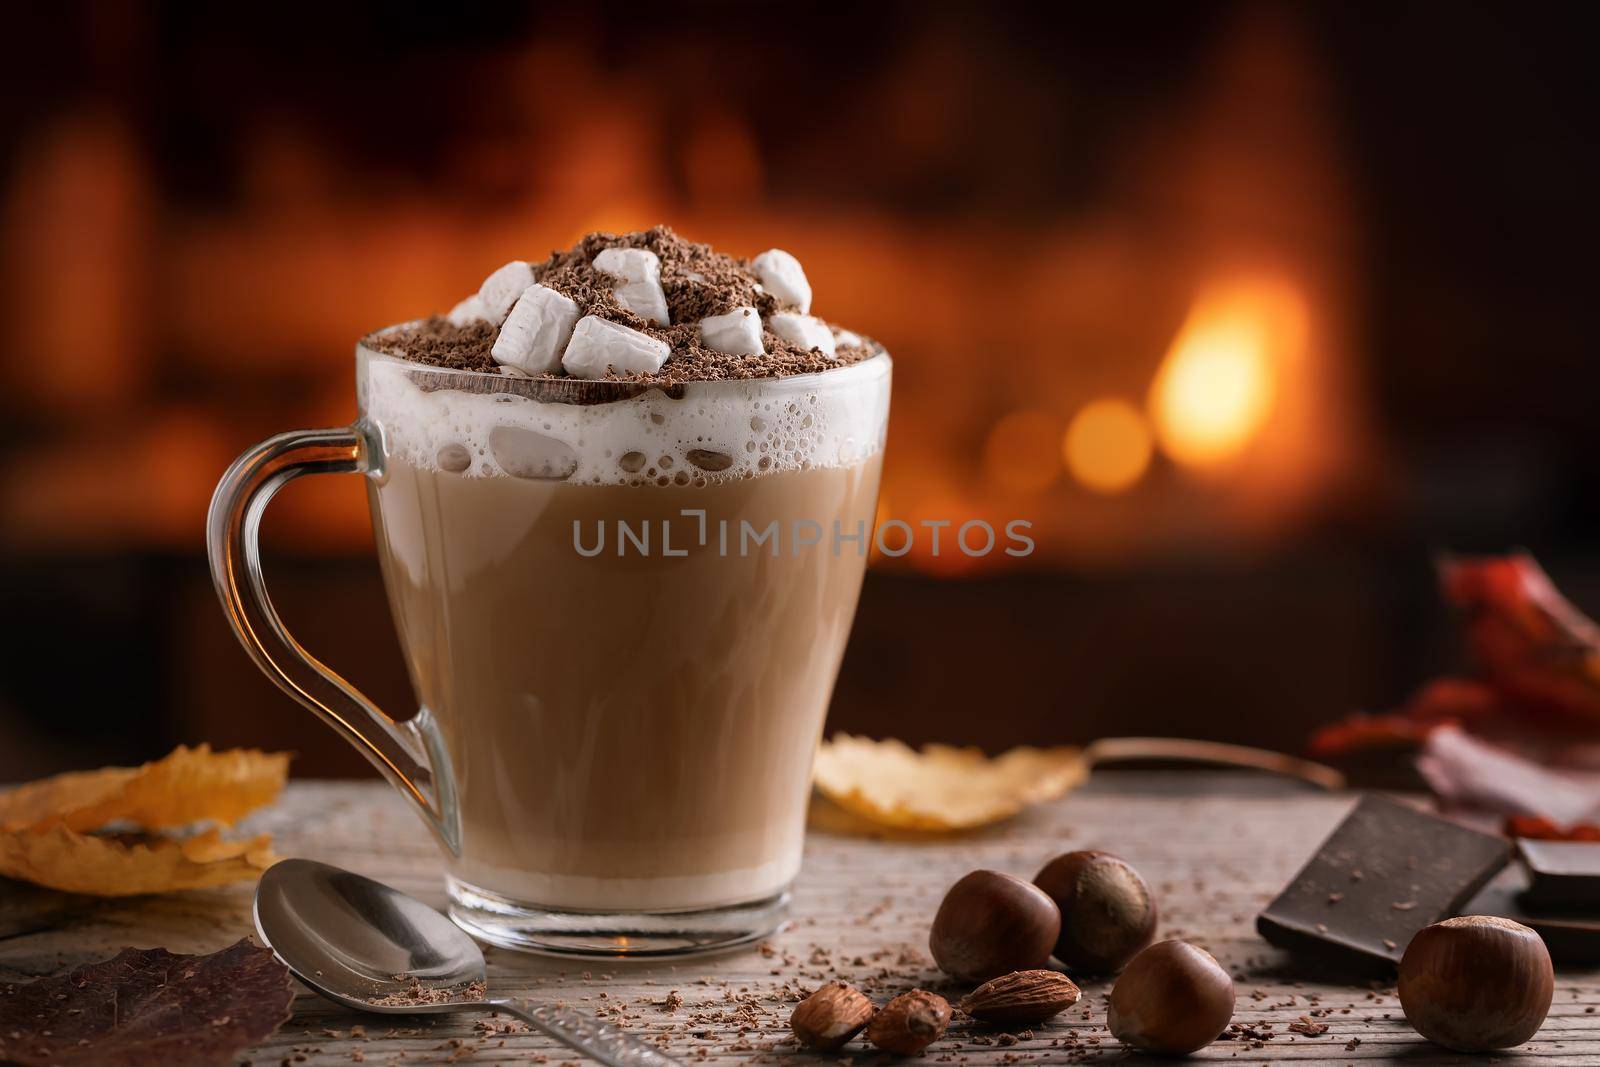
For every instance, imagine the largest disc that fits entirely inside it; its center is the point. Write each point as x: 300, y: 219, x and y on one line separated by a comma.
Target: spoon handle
x: 600, y: 1041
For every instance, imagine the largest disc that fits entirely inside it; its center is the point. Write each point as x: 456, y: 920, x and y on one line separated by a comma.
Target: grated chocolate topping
x: 698, y: 281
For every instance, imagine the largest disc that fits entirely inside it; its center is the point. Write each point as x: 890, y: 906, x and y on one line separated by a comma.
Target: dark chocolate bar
x: 1385, y: 873
x: 1570, y: 939
x: 1562, y: 874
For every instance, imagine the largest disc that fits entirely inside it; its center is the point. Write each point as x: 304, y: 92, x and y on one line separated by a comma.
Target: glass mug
x: 623, y: 610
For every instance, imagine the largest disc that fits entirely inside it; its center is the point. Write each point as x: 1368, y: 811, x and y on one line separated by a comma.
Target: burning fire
x: 1219, y: 382
x: 1058, y: 368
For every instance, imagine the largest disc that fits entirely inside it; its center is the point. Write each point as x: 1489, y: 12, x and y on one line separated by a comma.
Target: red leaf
x: 147, y: 1008
x: 1364, y: 733
x: 1535, y: 649
x: 1539, y: 827
x: 1537, y: 655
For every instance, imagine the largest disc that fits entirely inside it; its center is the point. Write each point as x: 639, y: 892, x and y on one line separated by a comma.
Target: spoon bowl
x: 370, y: 947
x: 357, y: 941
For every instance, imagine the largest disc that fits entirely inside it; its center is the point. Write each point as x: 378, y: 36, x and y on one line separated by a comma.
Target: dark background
x: 203, y: 208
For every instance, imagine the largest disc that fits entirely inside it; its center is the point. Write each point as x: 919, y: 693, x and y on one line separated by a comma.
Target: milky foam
x: 715, y: 432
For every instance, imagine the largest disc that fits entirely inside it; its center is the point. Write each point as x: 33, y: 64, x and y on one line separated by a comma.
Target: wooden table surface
x: 1215, y: 847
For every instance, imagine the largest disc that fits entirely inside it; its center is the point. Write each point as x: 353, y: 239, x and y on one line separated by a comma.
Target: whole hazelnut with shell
x: 1108, y: 914
x: 1173, y: 999
x: 1476, y: 983
x: 991, y: 924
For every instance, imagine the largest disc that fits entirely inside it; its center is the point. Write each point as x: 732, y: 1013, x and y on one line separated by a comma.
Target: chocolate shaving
x: 414, y: 994
x: 697, y: 280
x: 147, y: 1008
x: 439, y: 343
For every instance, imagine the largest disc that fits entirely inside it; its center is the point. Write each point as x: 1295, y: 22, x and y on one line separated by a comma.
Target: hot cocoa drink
x: 629, y: 676
x: 623, y: 499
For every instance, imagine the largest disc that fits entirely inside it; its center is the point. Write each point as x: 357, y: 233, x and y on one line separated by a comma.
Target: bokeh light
x: 1107, y: 446
x: 1020, y: 454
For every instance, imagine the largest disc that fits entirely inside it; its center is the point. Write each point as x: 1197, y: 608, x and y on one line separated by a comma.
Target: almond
x: 910, y: 1022
x: 831, y: 1016
x: 1021, y: 998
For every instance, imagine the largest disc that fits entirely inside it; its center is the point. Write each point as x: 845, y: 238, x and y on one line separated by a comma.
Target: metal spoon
x: 357, y: 941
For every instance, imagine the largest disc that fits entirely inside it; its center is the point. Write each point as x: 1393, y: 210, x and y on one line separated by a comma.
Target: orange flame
x: 1218, y: 384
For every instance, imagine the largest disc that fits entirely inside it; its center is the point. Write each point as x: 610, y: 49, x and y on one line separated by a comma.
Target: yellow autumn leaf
x: 112, y: 867
x: 190, y: 785
x: 45, y: 826
x: 940, y: 787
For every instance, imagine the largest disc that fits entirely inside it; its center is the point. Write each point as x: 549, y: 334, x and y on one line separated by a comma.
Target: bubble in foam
x: 522, y: 453
x: 632, y: 462
x: 708, y: 460
x: 455, y: 458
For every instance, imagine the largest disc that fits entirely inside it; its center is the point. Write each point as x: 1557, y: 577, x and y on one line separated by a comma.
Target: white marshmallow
x: 639, y: 289
x: 738, y: 333
x: 599, y: 346
x: 535, y: 333
x: 783, y: 277
x: 502, y: 288
x: 847, y: 339
x: 803, y: 330
x: 467, y: 312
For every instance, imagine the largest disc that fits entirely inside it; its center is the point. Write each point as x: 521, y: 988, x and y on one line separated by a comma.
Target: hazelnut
x: 1476, y: 983
x: 830, y: 1016
x: 1107, y: 913
x: 992, y: 924
x: 910, y: 1022
x: 1173, y: 998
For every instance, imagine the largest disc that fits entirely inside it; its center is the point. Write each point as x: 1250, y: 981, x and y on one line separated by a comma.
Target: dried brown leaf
x: 147, y: 1008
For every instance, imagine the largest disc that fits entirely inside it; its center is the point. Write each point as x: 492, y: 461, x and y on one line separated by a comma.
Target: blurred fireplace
x: 1159, y: 365
x: 1169, y: 368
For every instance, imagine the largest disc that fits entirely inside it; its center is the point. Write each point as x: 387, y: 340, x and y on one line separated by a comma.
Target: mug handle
x: 406, y: 753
